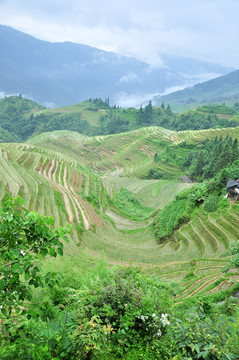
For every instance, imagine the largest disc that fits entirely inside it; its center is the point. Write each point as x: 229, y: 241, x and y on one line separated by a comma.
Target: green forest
x: 21, y: 118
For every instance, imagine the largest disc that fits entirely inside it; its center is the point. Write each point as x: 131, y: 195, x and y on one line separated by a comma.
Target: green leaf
x: 15, y: 267
x: 4, y: 311
x: 60, y: 251
x: 3, y: 228
x: 52, y: 251
x: 44, y: 252
x: 9, y: 217
x: 13, y: 279
x: 20, y: 200
x: 2, y: 283
x: 38, y: 229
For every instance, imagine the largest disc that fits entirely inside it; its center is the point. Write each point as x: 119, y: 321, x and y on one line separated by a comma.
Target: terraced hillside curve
x: 76, y: 179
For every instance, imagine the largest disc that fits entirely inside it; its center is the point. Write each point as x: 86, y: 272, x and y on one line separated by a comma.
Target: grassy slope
x: 74, y: 178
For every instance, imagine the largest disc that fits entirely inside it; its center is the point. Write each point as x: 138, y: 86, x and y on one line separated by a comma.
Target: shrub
x: 199, y: 337
x: 211, y: 203
x: 129, y: 309
x: 174, y: 214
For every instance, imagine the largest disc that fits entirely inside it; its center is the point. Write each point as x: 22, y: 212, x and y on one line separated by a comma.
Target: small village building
x: 233, y: 189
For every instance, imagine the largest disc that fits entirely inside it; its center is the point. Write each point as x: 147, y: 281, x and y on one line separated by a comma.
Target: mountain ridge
x: 57, y: 74
x: 224, y: 89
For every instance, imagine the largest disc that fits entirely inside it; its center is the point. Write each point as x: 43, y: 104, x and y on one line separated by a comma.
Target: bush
x: 128, y: 310
x: 199, y: 337
x: 174, y: 214
x: 129, y: 205
x: 211, y: 203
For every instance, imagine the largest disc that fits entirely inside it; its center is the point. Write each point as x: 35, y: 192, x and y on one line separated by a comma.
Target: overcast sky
x: 194, y: 28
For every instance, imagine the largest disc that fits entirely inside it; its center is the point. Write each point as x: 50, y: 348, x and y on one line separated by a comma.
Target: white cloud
x: 3, y: 94
x: 205, y: 29
x: 134, y: 100
x: 129, y: 78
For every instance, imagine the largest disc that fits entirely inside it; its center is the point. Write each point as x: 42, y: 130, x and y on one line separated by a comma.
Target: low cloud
x: 3, y: 94
x: 124, y: 99
x: 129, y: 78
x: 133, y: 100
x: 200, y: 77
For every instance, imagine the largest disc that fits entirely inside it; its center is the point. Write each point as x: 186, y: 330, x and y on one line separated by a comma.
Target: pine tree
x: 235, y: 151
x: 198, y: 170
x: 148, y: 113
x: 140, y: 116
x: 169, y: 111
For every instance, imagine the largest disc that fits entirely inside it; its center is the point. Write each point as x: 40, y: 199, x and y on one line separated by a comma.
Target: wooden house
x: 233, y: 189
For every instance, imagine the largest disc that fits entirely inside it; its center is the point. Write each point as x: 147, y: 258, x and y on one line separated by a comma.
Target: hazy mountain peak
x: 66, y: 73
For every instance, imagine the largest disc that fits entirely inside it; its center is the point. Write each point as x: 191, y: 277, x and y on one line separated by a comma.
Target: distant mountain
x: 224, y: 89
x: 57, y: 74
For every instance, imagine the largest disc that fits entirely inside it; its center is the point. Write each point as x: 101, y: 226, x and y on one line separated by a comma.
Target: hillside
x: 101, y: 185
x: 224, y: 89
x: 59, y: 74
x: 22, y: 118
x: 144, y: 247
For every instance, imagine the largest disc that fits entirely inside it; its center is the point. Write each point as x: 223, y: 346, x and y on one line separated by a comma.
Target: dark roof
x: 232, y: 183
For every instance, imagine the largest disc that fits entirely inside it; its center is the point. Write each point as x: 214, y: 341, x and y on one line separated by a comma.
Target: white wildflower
x: 164, y: 319
x: 158, y: 333
x: 22, y: 253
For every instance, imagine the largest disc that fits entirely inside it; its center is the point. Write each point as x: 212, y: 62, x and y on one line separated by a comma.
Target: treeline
x: 219, y: 109
x: 213, y: 157
x: 22, y: 118
x: 14, y: 116
x: 203, y: 118
x: 19, y: 122
x: 49, y: 122
x: 201, y: 161
x: 6, y: 136
x: 195, y: 120
x: 96, y: 103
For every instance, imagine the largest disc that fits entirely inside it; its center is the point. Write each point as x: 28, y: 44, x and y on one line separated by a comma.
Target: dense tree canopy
x: 25, y: 238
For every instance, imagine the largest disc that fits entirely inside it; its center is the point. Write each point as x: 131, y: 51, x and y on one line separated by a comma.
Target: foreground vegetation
x: 100, y: 312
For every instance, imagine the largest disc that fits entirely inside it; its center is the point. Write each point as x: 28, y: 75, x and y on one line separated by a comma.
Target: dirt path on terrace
x: 86, y: 222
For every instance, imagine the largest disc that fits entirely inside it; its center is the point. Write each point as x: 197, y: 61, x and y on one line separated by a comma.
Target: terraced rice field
x: 132, y: 152
x: 198, y: 135
x: 73, y: 177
